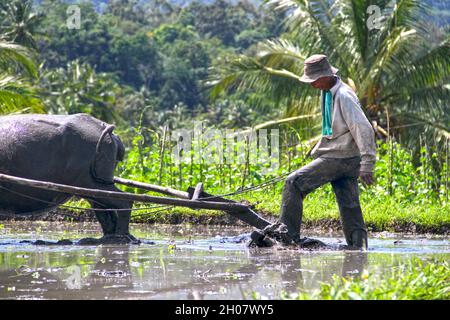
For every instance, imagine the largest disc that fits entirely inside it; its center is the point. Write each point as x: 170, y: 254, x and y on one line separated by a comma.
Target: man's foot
x: 258, y: 239
x: 271, y: 235
x: 279, y: 232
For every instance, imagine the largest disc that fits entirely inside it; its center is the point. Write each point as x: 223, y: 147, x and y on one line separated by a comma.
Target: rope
x: 108, y: 130
x: 240, y: 191
x: 75, y: 207
x: 248, y: 189
x: 162, y: 207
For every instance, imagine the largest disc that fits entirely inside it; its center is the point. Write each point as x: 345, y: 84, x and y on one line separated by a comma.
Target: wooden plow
x: 194, y: 198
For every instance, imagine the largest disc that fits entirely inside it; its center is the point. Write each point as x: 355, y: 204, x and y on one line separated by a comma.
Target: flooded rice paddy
x: 185, y: 262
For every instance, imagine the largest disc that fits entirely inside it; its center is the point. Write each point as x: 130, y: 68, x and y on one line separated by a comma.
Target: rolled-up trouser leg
x: 347, y: 196
x: 298, y: 184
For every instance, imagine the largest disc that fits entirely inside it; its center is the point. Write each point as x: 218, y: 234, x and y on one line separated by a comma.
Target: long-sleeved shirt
x: 352, y: 134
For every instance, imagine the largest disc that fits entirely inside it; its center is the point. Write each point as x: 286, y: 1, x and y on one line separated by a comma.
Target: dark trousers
x: 343, y: 175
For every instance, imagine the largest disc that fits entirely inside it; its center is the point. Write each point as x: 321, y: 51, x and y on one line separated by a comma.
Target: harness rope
x: 108, y: 130
x: 162, y: 207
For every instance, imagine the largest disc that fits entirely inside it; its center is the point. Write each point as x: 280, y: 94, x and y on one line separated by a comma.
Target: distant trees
x: 78, y: 88
x: 400, y: 73
x: 135, y: 59
x: 126, y: 50
x: 19, y: 22
x: 185, y: 58
x: 238, y: 25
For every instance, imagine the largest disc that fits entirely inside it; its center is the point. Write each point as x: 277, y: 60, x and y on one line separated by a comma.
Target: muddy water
x: 183, y: 262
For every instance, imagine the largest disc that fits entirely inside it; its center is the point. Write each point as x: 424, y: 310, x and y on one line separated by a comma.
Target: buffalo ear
x: 105, y: 161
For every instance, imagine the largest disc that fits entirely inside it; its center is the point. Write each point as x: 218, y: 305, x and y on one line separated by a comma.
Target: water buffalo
x: 76, y: 150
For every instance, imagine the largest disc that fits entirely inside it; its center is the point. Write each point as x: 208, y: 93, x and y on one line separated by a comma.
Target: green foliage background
x: 149, y: 67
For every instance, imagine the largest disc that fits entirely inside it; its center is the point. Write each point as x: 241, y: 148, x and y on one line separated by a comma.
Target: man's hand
x: 366, y: 178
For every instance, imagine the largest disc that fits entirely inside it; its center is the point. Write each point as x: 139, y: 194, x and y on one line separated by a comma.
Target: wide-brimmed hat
x: 316, y: 67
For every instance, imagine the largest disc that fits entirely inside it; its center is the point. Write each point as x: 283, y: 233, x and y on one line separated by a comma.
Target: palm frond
x: 396, y: 67
x: 18, y: 96
x: 430, y: 68
x: 14, y: 56
x: 247, y: 73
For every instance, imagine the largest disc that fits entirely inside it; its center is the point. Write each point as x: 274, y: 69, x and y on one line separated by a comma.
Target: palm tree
x: 17, y: 68
x: 19, y: 22
x: 78, y: 88
x: 399, y: 71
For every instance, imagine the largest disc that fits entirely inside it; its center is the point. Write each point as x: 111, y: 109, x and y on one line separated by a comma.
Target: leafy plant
x: 416, y: 280
x: 399, y: 70
x: 17, y: 70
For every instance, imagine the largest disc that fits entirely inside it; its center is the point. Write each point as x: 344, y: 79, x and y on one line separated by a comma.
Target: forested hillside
x: 127, y: 57
x: 145, y: 65
x: 131, y: 55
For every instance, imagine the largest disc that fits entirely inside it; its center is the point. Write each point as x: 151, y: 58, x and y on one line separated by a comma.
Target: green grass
x: 413, y: 281
x: 407, y: 198
x: 418, y: 200
x: 383, y: 213
x: 380, y: 214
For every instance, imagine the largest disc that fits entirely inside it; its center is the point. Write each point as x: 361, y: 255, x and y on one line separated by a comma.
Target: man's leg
x: 298, y: 184
x: 347, y: 196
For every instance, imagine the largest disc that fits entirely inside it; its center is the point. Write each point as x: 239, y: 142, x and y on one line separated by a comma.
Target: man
x: 345, y: 151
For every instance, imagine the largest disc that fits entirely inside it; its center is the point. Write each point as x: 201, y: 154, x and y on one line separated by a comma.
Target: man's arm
x: 361, y: 131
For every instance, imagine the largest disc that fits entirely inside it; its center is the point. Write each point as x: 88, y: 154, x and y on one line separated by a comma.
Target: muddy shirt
x: 351, y: 132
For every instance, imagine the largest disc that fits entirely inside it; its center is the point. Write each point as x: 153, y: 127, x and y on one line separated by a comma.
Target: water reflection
x: 55, y: 274
x: 155, y: 272
x: 184, y: 267
x: 296, y: 271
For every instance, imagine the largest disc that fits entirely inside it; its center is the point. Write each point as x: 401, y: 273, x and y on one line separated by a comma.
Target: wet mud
x: 185, y: 262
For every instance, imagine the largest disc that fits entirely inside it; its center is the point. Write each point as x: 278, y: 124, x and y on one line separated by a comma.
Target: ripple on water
x: 202, y: 263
